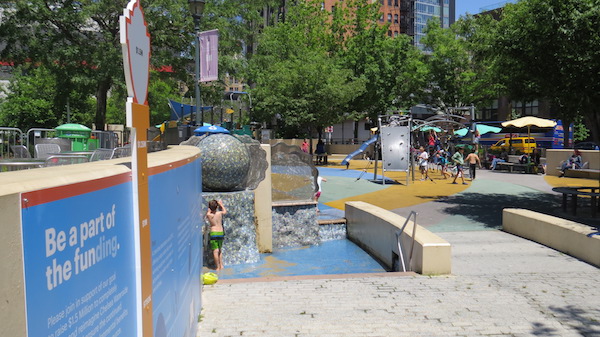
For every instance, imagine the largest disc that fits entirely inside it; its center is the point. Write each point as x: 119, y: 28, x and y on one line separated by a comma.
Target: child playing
x: 215, y: 213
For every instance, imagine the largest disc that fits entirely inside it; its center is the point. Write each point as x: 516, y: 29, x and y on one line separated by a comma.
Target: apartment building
x: 408, y: 17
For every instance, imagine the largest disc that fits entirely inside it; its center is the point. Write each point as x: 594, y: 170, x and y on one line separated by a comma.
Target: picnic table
x: 574, y: 192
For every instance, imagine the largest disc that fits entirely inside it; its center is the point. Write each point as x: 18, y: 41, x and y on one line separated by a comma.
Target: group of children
x: 442, y: 161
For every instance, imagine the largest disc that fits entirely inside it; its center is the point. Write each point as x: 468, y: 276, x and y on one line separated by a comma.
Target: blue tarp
x: 178, y: 114
x: 360, y: 150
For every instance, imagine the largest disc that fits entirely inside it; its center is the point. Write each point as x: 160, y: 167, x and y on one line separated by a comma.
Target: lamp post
x: 197, y: 7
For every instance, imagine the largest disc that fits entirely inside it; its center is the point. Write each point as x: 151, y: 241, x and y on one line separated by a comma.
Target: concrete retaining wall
x: 374, y: 229
x: 331, y: 148
x: 563, y: 235
x: 554, y: 157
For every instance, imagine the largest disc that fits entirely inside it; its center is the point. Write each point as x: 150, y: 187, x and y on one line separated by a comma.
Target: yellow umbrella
x: 530, y: 121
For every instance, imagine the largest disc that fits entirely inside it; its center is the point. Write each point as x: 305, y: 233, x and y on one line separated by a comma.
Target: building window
x: 332, y: 9
x: 395, y: 3
x: 395, y: 33
x: 490, y: 113
x: 395, y: 18
x: 381, y: 17
x: 527, y: 108
x: 389, y: 33
x: 389, y: 2
x: 389, y: 17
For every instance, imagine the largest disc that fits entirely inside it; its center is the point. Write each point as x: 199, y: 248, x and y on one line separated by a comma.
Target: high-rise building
x: 416, y: 14
x: 408, y: 17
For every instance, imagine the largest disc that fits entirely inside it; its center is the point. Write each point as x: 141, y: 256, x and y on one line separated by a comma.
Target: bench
x: 582, y: 172
x: 574, y: 192
x: 526, y: 168
x: 320, y: 158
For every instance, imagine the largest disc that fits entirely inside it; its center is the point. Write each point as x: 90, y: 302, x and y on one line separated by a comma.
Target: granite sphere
x: 225, y: 163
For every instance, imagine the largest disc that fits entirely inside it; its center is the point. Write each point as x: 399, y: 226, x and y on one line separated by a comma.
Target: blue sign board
x: 78, y: 249
x: 176, y: 230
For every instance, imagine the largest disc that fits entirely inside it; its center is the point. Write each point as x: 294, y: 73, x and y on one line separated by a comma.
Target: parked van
x: 521, y: 144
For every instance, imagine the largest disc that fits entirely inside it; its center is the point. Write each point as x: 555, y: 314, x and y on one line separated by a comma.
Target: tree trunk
x: 592, y: 121
x: 310, y: 140
x: 101, y: 100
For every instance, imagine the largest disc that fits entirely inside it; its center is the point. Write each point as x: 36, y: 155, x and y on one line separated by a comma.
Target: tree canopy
x: 78, y: 42
x: 551, y: 49
x: 296, y: 80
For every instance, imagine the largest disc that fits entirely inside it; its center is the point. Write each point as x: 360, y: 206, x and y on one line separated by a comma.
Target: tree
x: 551, y: 49
x: 78, y: 41
x: 296, y: 77
x: 390, y: 67
x: 455, y: 78
x: 32, y: 101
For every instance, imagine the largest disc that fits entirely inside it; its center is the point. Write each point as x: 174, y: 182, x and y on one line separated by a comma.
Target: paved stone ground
x: 501, y: 285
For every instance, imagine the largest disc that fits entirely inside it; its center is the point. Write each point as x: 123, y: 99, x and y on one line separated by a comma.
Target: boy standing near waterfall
x: 215, y: 213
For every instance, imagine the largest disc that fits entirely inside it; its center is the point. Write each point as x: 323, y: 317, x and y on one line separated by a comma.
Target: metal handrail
x: 412, y: 246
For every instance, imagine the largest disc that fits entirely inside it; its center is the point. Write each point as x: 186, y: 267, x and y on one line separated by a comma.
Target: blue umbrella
x: 426, y: 128
x: 482, y: 128
x: 209, y: 129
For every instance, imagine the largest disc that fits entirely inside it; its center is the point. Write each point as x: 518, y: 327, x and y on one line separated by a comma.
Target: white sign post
x: 135, y: 41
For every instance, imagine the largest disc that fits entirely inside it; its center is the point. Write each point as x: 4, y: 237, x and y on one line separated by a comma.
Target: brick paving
x: 489, y: 302
x: 501, y: 285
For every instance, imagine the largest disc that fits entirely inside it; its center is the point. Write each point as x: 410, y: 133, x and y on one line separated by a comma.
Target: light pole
x: 197, y: 7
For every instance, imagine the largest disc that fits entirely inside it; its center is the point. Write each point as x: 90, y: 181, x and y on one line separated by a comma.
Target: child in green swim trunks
x: 215, y: 213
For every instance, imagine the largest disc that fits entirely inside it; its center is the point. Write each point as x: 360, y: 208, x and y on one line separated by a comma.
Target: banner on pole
x: 209, y: 55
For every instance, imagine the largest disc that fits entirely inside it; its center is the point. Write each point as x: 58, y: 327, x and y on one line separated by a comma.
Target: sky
x: 473, y: 6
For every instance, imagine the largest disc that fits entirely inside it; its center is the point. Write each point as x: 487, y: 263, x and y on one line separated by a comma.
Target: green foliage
x: 390, y: 67
x: 454, y: 77
x: 32, y: 101
x: 550, y: 49
x: 296, y: 78
x: 581, y: 132
x: 160, y: 90
x: 78, y: 42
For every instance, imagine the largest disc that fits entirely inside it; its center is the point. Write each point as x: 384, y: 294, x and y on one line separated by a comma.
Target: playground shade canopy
x: 427, y: 128
x: 482, y: 128
x: 209, y: 129
x: 180, y: 111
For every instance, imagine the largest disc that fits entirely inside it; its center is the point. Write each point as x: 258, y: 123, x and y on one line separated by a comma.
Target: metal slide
x: 360, y: 150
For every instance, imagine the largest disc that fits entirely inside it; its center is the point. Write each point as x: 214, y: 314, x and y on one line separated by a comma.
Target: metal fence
x: 9, y: 137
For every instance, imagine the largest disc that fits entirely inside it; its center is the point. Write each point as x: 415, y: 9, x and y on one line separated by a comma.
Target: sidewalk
x: 501, y: 285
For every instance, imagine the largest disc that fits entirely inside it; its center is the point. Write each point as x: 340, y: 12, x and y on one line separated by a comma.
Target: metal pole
x: 197, y: 79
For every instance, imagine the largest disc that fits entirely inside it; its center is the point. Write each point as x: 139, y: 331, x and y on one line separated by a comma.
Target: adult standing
x: 320, y: 152
x: 458, y: 160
